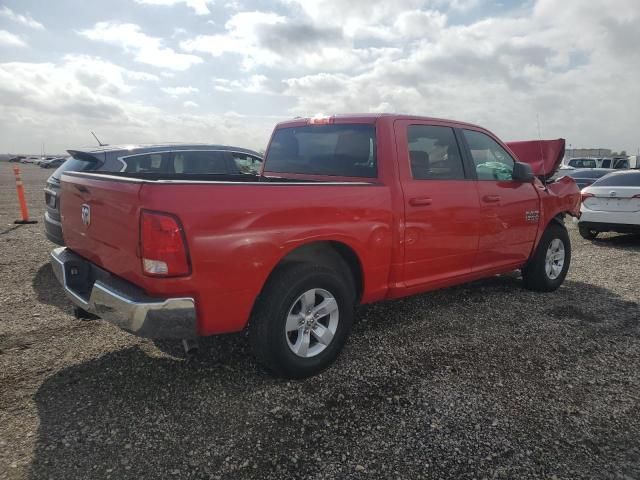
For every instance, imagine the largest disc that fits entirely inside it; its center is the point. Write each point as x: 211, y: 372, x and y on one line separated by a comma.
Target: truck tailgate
x: 100, y: 218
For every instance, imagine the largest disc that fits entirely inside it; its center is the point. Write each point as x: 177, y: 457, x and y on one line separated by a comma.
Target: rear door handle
x: 491, y: 198
x: 420, y: 201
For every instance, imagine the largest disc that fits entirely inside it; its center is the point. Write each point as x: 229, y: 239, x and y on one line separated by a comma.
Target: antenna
x: 98, y: 140
x: 544, y: 173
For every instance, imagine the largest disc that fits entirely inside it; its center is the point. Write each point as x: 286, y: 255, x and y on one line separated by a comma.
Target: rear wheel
x: 549, y: 265
x: 587, y: 233
x: 302, y: 320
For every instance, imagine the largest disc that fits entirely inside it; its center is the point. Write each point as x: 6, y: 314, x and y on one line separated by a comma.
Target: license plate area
x: 79, y: 278
x: 618, y: 204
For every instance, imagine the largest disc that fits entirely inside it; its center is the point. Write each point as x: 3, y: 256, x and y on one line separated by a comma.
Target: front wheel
x: 587, y: 233
x: 549, y: 265
x: 302, y: 320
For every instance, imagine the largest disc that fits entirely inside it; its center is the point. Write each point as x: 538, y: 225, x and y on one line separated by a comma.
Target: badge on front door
x: 532, y: 215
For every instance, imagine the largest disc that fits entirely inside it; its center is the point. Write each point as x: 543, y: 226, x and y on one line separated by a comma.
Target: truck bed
x: 237, y: 228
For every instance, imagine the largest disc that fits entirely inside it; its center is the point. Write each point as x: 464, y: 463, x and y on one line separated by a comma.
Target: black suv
x: 165, y: 158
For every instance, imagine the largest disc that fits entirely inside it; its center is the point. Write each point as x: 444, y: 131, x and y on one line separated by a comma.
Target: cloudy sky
x: 226, y: 71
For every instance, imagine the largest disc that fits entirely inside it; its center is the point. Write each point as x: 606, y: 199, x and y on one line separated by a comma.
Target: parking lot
x: 486, y: 380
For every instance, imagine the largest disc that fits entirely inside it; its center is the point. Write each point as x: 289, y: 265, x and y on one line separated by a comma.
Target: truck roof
x: 369, y: 118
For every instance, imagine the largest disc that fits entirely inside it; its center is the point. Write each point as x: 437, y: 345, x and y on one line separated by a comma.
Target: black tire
x: 535, y: 274
x: 267, y: 328
x: 587, y: 233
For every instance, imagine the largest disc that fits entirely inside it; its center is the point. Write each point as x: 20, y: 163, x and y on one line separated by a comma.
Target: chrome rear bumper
x: 120, y: 302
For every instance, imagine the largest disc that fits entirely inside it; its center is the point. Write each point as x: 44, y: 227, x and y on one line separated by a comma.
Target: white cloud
x: 326, y: 35
x: 81, y: 86
x: 103, y: 76
x: 190, y: 104
x: 146, y: 49
x: 179, y: 91
x: 253, y: 84
x: 359, y: 18
x: 200, y: 7
x: 269, y: 39
x: 25, y: 20
x: 240, y: 39
x: 419, y: 23
x: 573, y: 63
x: 11, y: 40
x: 501, y: 72
x: 36, y: 96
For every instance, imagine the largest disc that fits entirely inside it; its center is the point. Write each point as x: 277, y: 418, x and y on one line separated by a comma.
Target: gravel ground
x: 486, y: 380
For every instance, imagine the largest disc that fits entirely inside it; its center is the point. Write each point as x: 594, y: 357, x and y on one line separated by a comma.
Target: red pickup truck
x: 347, y: 210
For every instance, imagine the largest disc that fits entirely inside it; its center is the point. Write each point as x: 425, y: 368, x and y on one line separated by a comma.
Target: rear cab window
x: 342, y: 150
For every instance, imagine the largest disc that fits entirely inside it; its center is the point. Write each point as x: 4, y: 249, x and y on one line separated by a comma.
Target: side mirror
x: 522, y: 172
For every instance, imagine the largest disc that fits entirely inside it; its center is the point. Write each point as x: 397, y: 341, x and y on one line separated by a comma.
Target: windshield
x: 347, y: 150
x: 72, y: 164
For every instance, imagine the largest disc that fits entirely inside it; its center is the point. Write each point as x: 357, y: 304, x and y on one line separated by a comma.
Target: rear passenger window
x: 200, y: 162
x: 434, y: 153
x: 246, y: 163
x: 492, y: 162
x: 150, y: 162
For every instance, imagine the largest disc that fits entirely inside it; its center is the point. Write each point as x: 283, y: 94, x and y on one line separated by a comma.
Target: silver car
x: 187, y: 159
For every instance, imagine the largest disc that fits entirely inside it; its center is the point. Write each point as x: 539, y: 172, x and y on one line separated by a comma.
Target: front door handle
x: 491, y: 198
x: 420, y: 201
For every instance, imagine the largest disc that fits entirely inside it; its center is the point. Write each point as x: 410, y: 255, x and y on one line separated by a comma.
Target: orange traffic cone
x: 23, y: 204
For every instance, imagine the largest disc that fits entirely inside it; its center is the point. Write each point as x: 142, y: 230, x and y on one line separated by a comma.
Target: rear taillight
x: 163, y: 248
x: 586, y: 195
